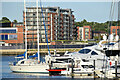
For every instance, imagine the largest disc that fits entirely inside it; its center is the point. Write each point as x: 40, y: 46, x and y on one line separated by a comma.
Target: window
x: 94, y: 53
x: 33, y: 14
x: 8, y: 31
x: 118, y: 31
x: 117, y: 66
x: 22, y: 62
x: 12, y: 37
x: 87, y: 66
x: 86, y: 29
x: 33, y: 23
x: 113, y: 31
x: 84, y: 51
x: 3, y: 37
x: 6, y: 37
x: 110, y: 44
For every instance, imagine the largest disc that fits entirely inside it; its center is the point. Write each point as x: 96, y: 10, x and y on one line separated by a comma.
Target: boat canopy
x: 36, y: 55
x: 21, y: 55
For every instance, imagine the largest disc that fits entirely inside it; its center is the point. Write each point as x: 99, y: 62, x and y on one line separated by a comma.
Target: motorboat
x: 112, y: 43
x: 63, y: 65
x: 88, y: 53
x: 110, y: 72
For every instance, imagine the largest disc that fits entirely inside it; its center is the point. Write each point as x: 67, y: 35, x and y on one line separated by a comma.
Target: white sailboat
x: 29, y: 65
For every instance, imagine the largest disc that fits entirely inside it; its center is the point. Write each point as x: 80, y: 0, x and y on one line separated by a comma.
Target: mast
x: 45, y: 28
x: 37, y: 31
x: 25, y: 31
x: 118, y: 24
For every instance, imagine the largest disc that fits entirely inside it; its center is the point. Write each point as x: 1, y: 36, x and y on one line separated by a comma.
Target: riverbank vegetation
x: 98, y: 26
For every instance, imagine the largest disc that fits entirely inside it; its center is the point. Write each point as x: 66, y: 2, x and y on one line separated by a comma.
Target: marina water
x: 8, y: 74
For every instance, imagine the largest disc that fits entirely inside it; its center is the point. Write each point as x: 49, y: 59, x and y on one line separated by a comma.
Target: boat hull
x: 29, y: 68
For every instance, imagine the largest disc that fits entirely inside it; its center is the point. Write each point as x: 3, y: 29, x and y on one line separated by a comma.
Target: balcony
x: 31, y: 38
x: 31, y: 33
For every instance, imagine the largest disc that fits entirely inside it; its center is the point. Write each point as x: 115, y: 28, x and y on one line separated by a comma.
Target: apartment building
x: 59, y: 24
x: 115, y: 30
x: 87, y: 32
x: 98, y: 34
x: 79, y: 33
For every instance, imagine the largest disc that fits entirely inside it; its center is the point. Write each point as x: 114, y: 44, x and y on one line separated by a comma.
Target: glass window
x: 94, y: 53
x: 22, y: 62
x: 33, y: 14
x: 113, y: 30
x: 84, y: 51
x: 6, y: 37
x: 12, y: 37
x: 86, y: 29
x: 2, y: 37
x: 118, y: 32
x: 87, y: 66
x: 110, y: 44
x: 8, y: 31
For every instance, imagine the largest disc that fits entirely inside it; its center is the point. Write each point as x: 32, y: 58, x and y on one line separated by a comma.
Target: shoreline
x: 31, y: 51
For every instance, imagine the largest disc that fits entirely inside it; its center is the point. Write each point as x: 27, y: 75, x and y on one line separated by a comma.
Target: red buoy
x: 110, y: 63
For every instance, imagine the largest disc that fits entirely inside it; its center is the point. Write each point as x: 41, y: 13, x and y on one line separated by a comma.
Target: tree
x: 5, y: 20
x: 96, y: 37
x: 15, y: 21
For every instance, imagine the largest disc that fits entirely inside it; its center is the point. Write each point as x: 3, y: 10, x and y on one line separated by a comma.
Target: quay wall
x: 30, y: 51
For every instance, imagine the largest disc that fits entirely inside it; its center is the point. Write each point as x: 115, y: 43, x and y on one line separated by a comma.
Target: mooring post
x: 50, y: 65
x: 116, y: 69
x: 72, y: 66
x: 94, y: 68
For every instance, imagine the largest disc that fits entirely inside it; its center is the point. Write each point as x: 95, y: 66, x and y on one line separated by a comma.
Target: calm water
x: 7, y: 73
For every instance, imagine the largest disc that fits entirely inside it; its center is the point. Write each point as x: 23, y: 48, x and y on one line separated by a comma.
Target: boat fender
x: 110, y: 63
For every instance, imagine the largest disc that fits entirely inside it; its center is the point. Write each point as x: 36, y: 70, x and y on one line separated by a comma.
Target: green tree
x: 97, y: 26
x: 96, y: 37
x: 5, y: 20
x: 15, y: 21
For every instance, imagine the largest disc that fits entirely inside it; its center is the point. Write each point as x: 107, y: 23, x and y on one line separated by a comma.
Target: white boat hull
x: 39, y: 68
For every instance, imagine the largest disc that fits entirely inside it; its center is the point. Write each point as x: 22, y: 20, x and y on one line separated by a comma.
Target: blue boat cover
x: 21, y: 55
x: 36, y: 55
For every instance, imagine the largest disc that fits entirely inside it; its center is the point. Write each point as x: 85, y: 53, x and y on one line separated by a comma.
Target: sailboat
x: 27, y: 65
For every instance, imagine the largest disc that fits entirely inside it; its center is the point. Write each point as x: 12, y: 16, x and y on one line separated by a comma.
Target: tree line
x: 98, y: 26
x: 95, y: 25
x: 6, y: 20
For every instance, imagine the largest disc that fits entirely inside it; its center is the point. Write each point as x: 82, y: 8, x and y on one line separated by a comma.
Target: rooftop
x: 49, y: 8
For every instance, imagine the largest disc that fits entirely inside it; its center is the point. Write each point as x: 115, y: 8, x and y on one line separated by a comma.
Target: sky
x: 91, y: 11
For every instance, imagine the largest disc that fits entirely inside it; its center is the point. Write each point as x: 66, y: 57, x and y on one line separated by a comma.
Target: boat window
x: 84, y: 60
x: 110, y: 44
x: 68, y: 60
x: 118, y: 66
x: 94, y: 53
x: 84, y: 51
x: 87, y: 66
x: 22, y: 62
x: 114, y: 66
x: 91, y: 66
